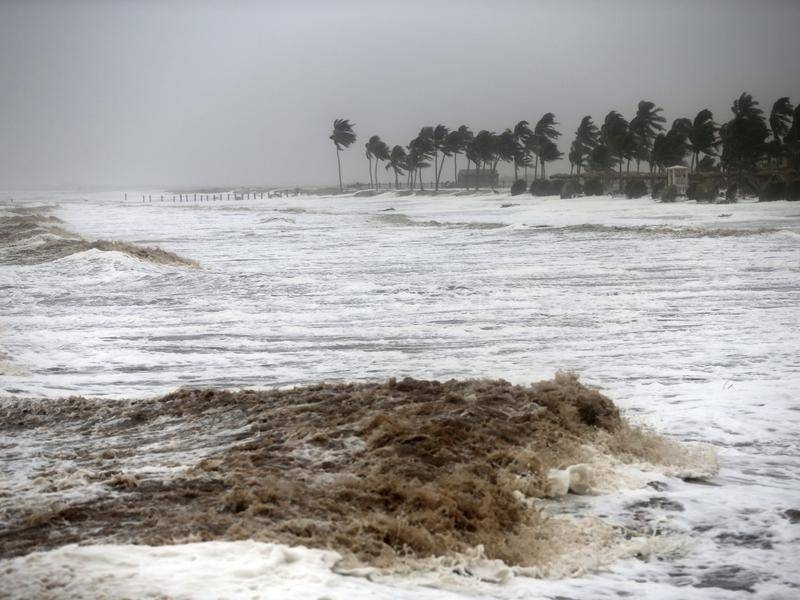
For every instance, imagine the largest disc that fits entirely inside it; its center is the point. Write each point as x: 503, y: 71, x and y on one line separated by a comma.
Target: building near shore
x: 486, y: 178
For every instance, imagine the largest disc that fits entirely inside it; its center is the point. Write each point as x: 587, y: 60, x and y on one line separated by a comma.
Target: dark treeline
x: 749, y: 142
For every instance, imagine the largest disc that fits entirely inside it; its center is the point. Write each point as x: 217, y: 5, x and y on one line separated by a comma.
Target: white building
x: 679, y: 177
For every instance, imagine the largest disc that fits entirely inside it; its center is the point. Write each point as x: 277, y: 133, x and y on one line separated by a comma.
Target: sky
x: 228, y: 93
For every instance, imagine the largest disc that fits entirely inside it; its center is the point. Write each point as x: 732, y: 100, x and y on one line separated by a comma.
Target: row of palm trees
x: 746, y: 142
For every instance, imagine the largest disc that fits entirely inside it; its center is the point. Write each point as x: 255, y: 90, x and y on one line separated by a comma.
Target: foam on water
x: 695, y: 335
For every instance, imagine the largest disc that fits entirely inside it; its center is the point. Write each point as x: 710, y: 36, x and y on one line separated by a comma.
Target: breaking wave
x: 393, y: 476
x: 28, y: 238
x: 401, y: 220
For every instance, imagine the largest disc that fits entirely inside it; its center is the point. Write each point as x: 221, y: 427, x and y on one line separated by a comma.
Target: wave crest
x: 27, y: 239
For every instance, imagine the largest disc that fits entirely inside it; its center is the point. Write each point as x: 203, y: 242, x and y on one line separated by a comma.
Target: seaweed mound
x: 376, y: 471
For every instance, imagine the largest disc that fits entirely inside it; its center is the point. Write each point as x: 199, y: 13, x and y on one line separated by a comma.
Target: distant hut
x: 679, y: 177
x: 486, y: 178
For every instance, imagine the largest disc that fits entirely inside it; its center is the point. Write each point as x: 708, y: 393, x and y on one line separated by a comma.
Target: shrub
x: 570, y: 189
x: 691, y: 191
x: 518, y: 187
x: 793, y: 190
x: 670, y: 194
x: 540, y: 187
x: 635, y: 189
x: 730, y: 193
x: 593, y: 187
x: 658, y: 187
x: 706, y: 192
x: 774, y: 190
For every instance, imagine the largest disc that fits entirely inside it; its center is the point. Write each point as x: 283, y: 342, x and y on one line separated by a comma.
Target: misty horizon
x: 112, y: 95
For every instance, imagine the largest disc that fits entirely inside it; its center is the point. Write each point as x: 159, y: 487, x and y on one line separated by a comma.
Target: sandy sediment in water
x: 31, y: 238
x: 406, y: 469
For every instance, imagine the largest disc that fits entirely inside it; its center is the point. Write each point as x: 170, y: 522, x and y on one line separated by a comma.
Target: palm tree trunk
x: 455, y: 168
x: 370, y: 172
x: 376, y: 173
x: 339, y: 161
x: 516, y: 170
x: 436, y: 168
x: 396, y: 183
x: 439, y: 176
x: 526, y: 175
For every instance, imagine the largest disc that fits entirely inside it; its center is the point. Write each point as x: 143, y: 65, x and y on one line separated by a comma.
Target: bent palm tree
x: 780, y: 119
x: 380, y: 152
x: 369, y: 152
x: 397, y: 162
x: 544, y: 131
x: 743, y: 137
x: 586, y: 139
x: 457, y: 142
x: 615, y: 136
x: 438, y: 138
x: 549, y: 153
x: 644, y: 127
x: 522, y: 133
x: 703, y: 136
x: 485, y: 147
x: 343, y: 136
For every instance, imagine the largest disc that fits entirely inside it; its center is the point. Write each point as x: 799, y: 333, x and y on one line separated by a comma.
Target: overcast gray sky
x: 223, y: 93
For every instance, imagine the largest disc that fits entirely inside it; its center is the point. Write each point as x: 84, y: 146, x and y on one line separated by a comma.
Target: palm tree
x: 780, y: 119
x: 644, y: 127
x: 522, y: 133
x: 420, y: 150
x: 438, y: 138
x: 791, y: 140
x: 614, y: 134
x: 703, y: 136
x: 743, y: 136
x: 485, y: 146
x: 454, y: 144
x: 549, y: 153
x: 507, y: 148
x: 544, y: 130
x: 575, y: 157
x: 343, y: 136
x: 586, y: 139
x: 600, y: 158
x: 669, y: 149
x: 472, y: 152
x: 369, y: 148
x: 397, y: 163
x: 381, y: 153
